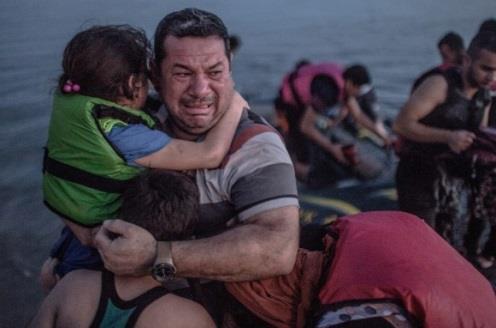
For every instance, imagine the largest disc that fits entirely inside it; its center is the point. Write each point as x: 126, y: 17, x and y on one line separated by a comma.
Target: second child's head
x: 165, y: 203
x: 108, y: 62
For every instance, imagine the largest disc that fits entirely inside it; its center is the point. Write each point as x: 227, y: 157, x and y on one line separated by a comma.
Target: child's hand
x: 48, y: 277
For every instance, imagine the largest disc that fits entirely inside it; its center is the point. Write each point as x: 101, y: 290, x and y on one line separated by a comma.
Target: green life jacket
x: 83, y: 174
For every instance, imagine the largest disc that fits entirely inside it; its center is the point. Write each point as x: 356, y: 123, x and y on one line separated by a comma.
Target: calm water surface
x: 396, y: 39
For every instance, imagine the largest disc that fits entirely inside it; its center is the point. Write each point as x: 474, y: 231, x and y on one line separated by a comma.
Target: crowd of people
x: 218, y: 244
x: 444, y: 140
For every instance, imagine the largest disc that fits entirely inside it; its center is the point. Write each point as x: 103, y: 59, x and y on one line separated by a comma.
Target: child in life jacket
x: 101, y: 136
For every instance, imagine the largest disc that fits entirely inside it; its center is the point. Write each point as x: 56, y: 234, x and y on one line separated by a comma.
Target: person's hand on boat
x: 460, y: 140
x: 126, y: 249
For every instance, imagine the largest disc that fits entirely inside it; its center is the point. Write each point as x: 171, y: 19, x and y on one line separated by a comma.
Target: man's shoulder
x: 254, y: 137
x: 251, y: 126
x: 433, y: 87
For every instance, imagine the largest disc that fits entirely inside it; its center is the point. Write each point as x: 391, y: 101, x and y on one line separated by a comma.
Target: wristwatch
x: 163, y: 269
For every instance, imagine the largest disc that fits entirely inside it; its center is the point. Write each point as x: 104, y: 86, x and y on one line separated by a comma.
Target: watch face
x: 163, y: 272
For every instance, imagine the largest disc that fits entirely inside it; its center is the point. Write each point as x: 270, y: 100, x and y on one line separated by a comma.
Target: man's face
x: 482, y: 69
x: 195, y: 82
x: 448, y: 55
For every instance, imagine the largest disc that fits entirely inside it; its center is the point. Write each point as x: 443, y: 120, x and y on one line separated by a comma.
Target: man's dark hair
x: 489, y: 25
x: 189, y: 22
x: 484, y: 40
x: 102, y: 58
x: 453, y: 40
x: 357, y: 74
x: 165, y: 203
x: 325, y: 89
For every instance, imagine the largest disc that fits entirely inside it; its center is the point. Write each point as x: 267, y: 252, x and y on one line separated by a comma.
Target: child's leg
x: 75, y: 255
x: 68, y: 254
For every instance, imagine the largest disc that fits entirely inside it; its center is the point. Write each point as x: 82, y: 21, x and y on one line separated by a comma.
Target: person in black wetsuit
x: 167, y: 205
x: 439, y: 120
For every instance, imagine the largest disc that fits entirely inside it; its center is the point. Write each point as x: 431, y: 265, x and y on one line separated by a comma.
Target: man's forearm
x: 422, y: 133
x: 264, y: 246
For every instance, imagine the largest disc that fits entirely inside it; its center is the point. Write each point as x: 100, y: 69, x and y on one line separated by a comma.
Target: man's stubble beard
x: 472, y: 82
x: 183, y: 131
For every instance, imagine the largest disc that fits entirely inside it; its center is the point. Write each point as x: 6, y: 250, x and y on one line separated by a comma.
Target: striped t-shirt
x: 257, y: 175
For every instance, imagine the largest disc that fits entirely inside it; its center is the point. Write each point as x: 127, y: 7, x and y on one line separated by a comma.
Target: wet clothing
x: 83, y: 173
x: 417, y: 174
x: 384, y: 265
x: 114, y: 312
x: 482, y: 230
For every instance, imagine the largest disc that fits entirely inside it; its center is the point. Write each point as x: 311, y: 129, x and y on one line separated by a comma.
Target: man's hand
x: 460, y: 140
x: 126, y: 249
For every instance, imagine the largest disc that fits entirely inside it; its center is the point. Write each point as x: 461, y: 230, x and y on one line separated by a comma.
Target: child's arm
x: 366, y: 122
x: 186, y: 155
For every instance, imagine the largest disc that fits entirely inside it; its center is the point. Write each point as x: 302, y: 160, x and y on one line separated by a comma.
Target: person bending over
x: 313, y: 101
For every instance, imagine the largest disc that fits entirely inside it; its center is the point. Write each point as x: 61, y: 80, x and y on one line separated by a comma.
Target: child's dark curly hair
x: 166, y: 203
x: 102, y: 58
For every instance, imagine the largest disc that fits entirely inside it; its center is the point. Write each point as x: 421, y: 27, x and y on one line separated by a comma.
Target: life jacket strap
x: 102, y: 111
x: 73, y: 174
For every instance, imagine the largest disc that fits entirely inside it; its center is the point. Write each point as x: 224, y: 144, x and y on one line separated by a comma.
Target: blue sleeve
x: 135, y: 141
